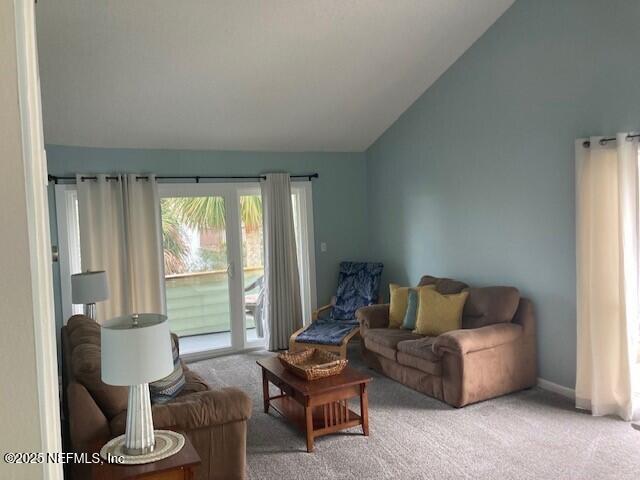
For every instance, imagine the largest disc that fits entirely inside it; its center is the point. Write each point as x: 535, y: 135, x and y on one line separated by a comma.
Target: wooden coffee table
x: 317, y: 407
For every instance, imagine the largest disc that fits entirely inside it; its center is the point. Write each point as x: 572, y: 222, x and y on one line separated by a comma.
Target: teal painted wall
x: 338, y: 195
x: 476, y: 179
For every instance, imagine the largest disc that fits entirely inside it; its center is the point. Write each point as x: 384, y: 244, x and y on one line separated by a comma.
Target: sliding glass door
x: 202, y: 283
x: 197, y: 269
x: 213, y: 259
x: 214, y: 263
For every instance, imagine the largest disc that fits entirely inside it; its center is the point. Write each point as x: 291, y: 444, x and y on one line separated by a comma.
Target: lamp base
x: 90, y: 310
x: 167, y: 443
x: 138, y: 451
x: 139, y: 438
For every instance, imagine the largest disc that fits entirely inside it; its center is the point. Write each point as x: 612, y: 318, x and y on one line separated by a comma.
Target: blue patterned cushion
x: 358, y: 286
x: 327, y: 332
x: 167, y: 388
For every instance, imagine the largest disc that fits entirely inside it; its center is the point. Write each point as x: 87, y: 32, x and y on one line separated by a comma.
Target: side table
x: 180, y: 466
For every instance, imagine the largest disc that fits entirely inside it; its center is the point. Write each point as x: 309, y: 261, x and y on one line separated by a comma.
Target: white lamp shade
x: 136, y: 349
x: 89, y: 287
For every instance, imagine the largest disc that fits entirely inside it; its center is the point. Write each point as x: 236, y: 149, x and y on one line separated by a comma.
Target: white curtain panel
x: 607, y: 223
x: 283, y: 310
x: 120, y: 233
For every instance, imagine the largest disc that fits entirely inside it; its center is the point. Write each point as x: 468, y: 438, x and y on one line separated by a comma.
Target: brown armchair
x: 493, y: 354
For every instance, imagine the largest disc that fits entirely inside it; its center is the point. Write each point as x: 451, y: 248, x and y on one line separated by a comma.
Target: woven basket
x: 312, y: 364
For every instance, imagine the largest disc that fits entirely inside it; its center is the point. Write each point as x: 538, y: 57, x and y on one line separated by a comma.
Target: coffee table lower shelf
x: 328, y: 418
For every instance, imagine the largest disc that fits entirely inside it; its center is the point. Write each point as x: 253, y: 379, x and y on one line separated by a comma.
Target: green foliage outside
x: 202, y: 214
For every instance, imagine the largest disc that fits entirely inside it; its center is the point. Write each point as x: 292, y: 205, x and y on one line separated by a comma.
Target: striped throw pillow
x: 168, y: 388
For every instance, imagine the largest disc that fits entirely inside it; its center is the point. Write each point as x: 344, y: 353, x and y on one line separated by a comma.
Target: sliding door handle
x: 230, y: 270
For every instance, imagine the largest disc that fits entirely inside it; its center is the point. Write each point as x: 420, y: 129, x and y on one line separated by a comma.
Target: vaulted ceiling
x: 277, y: 75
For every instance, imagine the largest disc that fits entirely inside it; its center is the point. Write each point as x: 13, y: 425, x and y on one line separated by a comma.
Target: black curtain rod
x: 604, y: 141
x: 197, y: 178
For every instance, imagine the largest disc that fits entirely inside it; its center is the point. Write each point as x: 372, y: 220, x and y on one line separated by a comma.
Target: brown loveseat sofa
x: 214, y: 420
x: 493, y: 354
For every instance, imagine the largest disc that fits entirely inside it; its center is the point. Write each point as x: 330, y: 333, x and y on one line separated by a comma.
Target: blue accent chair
x: 335, y: 324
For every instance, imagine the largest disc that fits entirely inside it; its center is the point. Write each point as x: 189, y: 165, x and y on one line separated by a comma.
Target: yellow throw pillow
x: 437, y: 313
x: 399, y: 296
x: 399, y: 301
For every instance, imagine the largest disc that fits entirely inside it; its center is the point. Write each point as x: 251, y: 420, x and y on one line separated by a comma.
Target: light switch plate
x: 323, y: 246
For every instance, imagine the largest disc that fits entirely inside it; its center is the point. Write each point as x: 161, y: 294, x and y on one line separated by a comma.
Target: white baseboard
x: 555, y: 388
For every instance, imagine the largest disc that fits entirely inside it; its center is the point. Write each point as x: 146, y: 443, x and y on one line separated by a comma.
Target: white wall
x: 19, y: 412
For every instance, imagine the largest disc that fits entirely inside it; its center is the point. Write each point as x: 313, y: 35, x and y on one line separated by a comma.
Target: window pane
x: 196, y: 279
x: 73, y: 240
x: 252, y: 265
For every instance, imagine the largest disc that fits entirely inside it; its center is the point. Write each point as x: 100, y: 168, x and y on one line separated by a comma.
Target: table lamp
x: 136, y: 350
x: 88, y: 288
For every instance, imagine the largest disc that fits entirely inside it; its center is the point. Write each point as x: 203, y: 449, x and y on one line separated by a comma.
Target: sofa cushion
x: 489, y: 305
x: 384, y: 341
x: 421, y: 348
x: 419, y: 354
x: 86, y: 368
x: 445, y: 286
x: 426, y: 366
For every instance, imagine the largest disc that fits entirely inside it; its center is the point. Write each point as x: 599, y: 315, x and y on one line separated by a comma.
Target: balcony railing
x: 198, y: 302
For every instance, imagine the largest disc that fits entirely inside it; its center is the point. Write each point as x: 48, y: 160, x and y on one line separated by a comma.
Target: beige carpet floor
x: 528, y: 435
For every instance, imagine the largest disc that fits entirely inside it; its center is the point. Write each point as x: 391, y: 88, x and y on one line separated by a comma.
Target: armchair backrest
x: 358, y: 286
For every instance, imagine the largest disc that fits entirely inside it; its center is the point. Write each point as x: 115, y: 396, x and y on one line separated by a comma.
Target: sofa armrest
x: 195, y: 411
x: 203, y: 409
x: 465, y: 341
x: 525, y: 316
x: 374, y: 316
x: 87, y: 424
